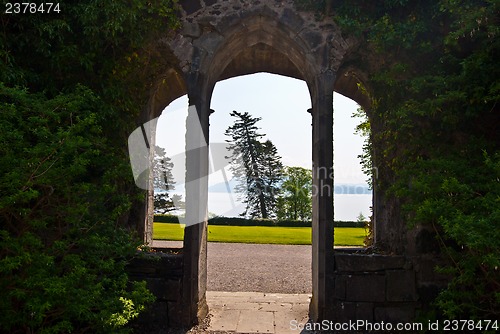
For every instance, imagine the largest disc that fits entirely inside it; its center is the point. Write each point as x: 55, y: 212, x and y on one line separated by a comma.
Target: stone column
x: 322, y: 200
x: 147, y: 130
x: 150, y: 202
x: 195, y: 233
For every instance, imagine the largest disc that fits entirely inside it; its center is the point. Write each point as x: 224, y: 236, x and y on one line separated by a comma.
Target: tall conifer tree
x: 256, y: 165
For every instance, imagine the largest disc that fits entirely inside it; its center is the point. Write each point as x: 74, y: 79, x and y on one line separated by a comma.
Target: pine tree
x: 163, y: 181
x: 272, y: 174
x: 255, y: 165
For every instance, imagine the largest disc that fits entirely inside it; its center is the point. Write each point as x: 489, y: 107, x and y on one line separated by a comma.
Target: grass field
x: 344, y: 236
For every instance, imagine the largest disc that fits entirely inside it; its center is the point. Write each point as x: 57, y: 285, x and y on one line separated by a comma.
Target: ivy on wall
x: 435, y: 90
x: 71, y: 87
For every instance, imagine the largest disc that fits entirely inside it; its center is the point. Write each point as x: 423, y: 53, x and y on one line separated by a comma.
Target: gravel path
x: 259, y: 268
x: 256, y: 267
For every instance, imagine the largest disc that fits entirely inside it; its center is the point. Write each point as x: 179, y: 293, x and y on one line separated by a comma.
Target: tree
x: 163, y: 182
x: 162, y: 170
x: 295, y: 201
x: 363, y: 130
x: 62, y: 252
x: 272, y: 174
x: 256, y: 165
x: 435, y: 98
x: 70, y: 87
x: 361, y: 218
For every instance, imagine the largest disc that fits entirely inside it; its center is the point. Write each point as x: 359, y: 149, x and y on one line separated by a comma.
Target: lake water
x: 347, y: 206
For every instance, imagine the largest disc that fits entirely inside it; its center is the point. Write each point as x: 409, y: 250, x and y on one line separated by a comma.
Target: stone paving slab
x: 224, y: 320
x: 274, y: 307
x: 256, y: 312
x: 255, y: 322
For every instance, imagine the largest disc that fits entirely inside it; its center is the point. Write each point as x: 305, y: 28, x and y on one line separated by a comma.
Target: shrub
x: 62, y: 251
x: 237, y: 221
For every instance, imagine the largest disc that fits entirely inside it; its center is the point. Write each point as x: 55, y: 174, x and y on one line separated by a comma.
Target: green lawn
x: 344, y: 236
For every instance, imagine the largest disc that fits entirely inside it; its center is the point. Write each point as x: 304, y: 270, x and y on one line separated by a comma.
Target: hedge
x: 236, y: 221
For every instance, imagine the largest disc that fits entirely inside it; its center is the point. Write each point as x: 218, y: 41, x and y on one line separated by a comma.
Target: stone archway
x: 258, y: 38
x: 223, y: 39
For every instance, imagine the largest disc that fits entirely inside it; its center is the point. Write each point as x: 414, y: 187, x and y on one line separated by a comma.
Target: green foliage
x: 88, y: 42
x: 71, y: 87
x: 237, y: 221
x: 435, y: 96
x: 368, y: 225
x: 363, y: 129
x: 63, y: 257
x: 295, y: 201
x: 344, y: 236
x: 164, y: 182
x: 462, y: 202
x: 166, y: 218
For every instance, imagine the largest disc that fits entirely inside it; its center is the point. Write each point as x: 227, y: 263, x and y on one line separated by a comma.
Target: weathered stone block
x: 153, y: 320
x: 175, y: 313
x: 170, y: 269
x: 141, y: 269
x: 426, y: 242
x: 340, y: 287
x: 191, y: 6
x: 174, y: 290
x: 362, y: 262
x: 426, y: 271
x: 401, y: 285
x: 428, y: 292
x: 156, y: 286
x: 266, y: 11
x: 312, y: 38
x: 395, y: 314
x: 292, y: 19
x: 364, y: 311
x: 191, y: 29
x: 209, y: 41
x: 227, y: 21
x: 365, y: 288
x: 343, y: 312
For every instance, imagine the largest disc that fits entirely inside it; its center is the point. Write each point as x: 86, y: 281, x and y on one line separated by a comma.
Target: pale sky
x: 282, y: 104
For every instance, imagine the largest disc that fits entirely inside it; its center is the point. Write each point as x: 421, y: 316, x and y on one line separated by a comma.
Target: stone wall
x: 376, y: 288
x: 162, y: 272
x: 371, y: 287
x: 221, y: 39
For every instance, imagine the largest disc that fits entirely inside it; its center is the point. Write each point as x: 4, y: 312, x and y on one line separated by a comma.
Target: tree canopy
x: 435, y: 90
x: 295, y: 200
x: 71, y: 83
x: 256, y: 165
x: 434, y: 86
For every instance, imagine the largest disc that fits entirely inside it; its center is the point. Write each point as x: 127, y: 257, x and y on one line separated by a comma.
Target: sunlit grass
x: 344, y: 236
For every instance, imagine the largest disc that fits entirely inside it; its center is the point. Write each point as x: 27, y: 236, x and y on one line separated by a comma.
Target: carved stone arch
x: 169, y: 86
x: 271, y: 45
x: 268, y: 46
x: 354, y: 84
x: 389, y: 231
x: 221, y: 39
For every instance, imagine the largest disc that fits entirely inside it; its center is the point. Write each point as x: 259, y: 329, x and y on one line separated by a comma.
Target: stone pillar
x: 149, y: 214
x: 148, y: 129
x: 322, y: 200
x: 195, y: 234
